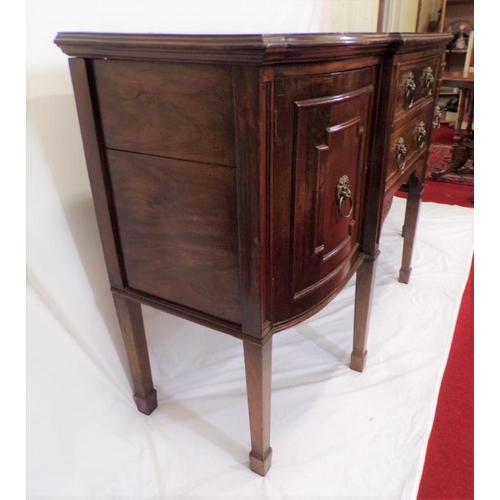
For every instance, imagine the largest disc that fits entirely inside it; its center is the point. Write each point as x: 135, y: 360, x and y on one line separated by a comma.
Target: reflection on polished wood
x: 463, y: 141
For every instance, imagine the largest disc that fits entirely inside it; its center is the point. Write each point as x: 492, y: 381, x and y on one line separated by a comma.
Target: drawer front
x: 416, y: 80
x: 165, y: 109
x: 322, y: 145
x: 409, y: 142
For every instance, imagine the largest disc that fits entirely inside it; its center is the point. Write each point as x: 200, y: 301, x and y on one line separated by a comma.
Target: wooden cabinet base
x: 240, y: 181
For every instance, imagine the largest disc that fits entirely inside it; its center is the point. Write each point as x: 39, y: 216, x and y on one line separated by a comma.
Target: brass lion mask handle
x: 401, y: 153
x: 421, y: 134
x: 344, y: 197
x: 410, y: 87
x: 436, y: 122
x: 428, y: 79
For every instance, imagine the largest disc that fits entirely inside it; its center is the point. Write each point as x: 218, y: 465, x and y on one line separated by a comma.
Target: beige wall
x: 400, y: 15
x: 409, y: 13
x: 354, y: 15
x: 428, y: 13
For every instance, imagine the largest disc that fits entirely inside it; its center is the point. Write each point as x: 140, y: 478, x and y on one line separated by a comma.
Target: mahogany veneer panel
x: 328, y: 139
x: 172, y: 110
x: 178, y: 231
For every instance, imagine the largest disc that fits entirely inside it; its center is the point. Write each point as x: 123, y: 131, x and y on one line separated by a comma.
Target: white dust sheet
x: 336, y: 434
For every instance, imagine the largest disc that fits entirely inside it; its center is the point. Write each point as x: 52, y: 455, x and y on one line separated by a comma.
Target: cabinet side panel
x: 182, y: 111
x: 178, y: 229
x: 88, y: 116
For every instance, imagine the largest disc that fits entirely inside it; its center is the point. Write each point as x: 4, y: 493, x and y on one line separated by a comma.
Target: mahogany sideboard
x: 240, y: 181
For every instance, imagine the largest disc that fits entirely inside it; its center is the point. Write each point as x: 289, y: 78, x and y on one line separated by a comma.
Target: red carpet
x: 450, y: 194
x: 443, y: 135
x: 449, y: 464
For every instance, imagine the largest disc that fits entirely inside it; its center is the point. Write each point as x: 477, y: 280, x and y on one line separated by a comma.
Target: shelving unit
x: 456, y: 59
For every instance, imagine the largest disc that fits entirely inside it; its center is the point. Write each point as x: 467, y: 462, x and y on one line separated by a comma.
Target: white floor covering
x: 336, y: 434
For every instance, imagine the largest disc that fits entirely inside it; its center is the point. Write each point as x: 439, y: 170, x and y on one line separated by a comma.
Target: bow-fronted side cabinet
x: 240, y: 181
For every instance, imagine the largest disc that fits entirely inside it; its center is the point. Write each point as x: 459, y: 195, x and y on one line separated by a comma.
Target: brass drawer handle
x: 428, y: 80
x: 401, y: 153
x: 421, y: 134
x: 436, y: 122
x: 410, y: 87
x: 344, y: 196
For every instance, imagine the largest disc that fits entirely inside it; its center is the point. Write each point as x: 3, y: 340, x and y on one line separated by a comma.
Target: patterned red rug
x: 439, y: 159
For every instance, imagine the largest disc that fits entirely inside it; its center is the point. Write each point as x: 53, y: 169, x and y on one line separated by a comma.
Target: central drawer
x: 408, y: 142
x: 417, y: 80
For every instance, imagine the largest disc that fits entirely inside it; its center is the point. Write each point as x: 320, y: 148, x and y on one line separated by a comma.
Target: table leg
x: 415, y: 188
x: 258, y: 375
x: 132, y: 326
x: 365, y: 278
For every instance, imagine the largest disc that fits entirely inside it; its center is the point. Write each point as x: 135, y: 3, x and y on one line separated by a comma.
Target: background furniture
x: 240, y: 181
x: 463, y: 141
x: 458, y: 57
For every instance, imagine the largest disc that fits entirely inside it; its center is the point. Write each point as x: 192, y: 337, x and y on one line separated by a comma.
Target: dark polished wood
x: 195, y: 125
x: 182, y: 214
x: 132, y: 326
x: 365, y: 281
x: 240, y: 181
x: 258, y: 363
x: 415, y: 189
x: 88, y: 116
x: 329, y: 138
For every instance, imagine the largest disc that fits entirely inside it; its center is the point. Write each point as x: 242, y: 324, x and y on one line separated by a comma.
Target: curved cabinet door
x: 319, y: 168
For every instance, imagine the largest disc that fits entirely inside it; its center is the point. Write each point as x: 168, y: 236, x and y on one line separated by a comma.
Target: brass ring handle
x: 421, y: 134
x: 351, y: 206
x: 410, y: 87
x: 428, y: 79
x: 344, y: 195
x: 401, y: 153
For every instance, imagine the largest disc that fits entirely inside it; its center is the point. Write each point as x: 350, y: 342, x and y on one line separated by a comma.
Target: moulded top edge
x: 249, y: 47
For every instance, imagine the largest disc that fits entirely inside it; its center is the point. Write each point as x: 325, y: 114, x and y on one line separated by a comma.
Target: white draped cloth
x: 335, y: 433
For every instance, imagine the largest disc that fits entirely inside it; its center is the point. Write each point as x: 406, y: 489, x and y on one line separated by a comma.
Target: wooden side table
x: 463, y: 142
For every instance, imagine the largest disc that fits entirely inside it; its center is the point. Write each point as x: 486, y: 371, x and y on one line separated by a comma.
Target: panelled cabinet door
x: 320, y: 159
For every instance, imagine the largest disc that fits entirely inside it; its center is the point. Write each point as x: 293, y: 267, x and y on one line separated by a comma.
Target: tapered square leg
x: 365, y: 279
x: 415, y: 188
x: 258, y: 376
x: 132, y: 326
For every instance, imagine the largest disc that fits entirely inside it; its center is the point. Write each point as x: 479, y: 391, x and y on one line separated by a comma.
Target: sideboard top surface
x: 243, y: 49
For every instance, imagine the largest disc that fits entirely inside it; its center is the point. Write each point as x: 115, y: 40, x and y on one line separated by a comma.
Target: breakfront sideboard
x: 240, y: 181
